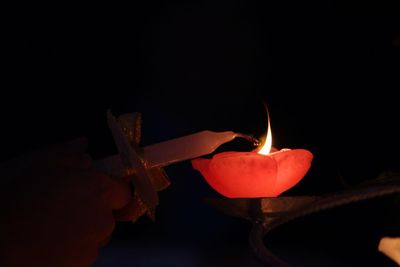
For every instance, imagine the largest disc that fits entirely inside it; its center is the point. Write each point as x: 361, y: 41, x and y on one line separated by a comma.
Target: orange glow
x: 266, y: 147
x: 256, y: 173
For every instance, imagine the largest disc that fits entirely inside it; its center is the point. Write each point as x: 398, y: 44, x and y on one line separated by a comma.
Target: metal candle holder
x: 267, y: 214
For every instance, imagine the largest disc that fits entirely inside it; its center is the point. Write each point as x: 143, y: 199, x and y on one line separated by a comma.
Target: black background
x: 327, y: 70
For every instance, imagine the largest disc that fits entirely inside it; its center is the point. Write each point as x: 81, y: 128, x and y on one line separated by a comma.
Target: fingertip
x: 130, y: 212
x: 119, y: 193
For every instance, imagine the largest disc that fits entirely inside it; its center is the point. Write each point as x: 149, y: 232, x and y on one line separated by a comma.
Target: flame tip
x: 266, y: 147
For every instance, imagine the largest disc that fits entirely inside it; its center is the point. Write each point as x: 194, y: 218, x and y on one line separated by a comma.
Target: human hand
x: 57, y: 210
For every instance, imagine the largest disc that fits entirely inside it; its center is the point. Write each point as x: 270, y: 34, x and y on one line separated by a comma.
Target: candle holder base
x: 267, y: 214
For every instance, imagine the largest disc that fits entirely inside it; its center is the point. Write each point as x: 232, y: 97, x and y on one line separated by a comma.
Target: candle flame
x: 266, y: 147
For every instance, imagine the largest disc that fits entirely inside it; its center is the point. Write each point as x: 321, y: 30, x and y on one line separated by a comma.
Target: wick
x: 249, y: 138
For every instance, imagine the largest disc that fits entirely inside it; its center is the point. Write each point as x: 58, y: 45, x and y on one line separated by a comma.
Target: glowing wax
x: 250, y: 174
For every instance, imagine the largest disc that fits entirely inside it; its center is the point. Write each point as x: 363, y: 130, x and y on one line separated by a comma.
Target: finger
x: 83, y: 256
x: 74, y: 147
x: 96, y: 224
x: 80, y: 162
x: 106, y: 227
x: 105, y: 241
x: 65, y: 164
x: 50, y: 157
x: 118, y: 192
x: 131, y: 212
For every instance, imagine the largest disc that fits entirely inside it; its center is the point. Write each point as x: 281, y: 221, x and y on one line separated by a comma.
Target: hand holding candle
x: 257, y: 173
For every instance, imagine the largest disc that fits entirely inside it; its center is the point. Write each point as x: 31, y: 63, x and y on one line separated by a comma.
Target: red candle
x: 257, y: 173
